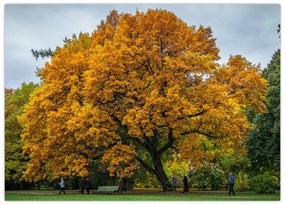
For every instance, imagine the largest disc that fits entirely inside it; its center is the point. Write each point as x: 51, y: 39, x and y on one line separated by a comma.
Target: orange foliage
x: 139, y: 83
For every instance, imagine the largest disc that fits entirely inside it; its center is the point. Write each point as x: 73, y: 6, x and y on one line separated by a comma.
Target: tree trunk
x: 160, y: 174
x: 151, y: 146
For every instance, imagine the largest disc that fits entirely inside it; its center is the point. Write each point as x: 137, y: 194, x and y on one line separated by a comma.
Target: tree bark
x: 160, y: 173
x: 151, y: 146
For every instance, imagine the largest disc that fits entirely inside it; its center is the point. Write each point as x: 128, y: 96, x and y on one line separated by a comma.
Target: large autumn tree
x: 140, y: 86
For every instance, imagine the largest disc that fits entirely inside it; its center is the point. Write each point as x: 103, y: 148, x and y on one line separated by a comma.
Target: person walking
x: 62, y: 186
x: 185, y: 184
x: 174, y: 185
x: 231, y: 183
x: 124, y: 184
x: 82, y: 185
x: 88, y: 185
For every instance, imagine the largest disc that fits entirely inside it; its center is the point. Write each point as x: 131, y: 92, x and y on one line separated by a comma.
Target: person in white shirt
x: 62, y: 186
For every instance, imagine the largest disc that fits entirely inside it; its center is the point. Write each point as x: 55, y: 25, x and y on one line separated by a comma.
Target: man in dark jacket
x: 88, y: 185
x: 82, y: 185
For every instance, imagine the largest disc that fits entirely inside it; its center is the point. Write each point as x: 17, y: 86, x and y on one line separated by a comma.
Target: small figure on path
x: 174, y: 183
x: 124, y: 184
x: 232, y: 182
x: 62, y: 186
x: 88, y: 185
x: 82, y: 185
x: 185, y: 184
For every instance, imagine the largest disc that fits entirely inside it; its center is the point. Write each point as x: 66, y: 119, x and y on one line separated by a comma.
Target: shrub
x: 148, y: 181
x: 217, y: 178
x: 242, y: 182
x: 207, y: 176
x: 264, y: 183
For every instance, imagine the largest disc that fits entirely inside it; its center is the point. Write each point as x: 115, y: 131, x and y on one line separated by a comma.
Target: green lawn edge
x: 203, y: 196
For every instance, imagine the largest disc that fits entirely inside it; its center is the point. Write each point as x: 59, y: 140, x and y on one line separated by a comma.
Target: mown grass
x: 138, y: 196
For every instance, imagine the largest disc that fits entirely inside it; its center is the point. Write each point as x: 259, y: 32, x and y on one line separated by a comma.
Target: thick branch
x: 145, y: 165
x: 150, y: 146
x: 97, y: 156
x: 197, y: 114
x: 190, y: 116
x: 145, y: 64
x: 168, y: 144
x: 99, y: 151
x: 144, y: 145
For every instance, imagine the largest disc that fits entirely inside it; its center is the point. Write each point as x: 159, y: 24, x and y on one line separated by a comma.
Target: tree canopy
x: 264, y: 143
x: 15, y: 161
x: 138, y: 87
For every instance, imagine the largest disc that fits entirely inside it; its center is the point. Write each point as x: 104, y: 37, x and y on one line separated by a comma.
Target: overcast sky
x: 246, y: 29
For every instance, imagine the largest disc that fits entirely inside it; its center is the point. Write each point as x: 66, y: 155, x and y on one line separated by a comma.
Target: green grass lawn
x: 139, y: 195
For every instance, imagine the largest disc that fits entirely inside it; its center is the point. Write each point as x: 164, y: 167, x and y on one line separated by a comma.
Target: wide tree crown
x: 138, y: 86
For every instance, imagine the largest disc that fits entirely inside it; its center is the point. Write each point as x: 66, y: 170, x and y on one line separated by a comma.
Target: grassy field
x: 139, y: 195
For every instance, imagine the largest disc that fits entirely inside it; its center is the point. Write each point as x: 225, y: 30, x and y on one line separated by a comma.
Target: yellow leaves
x: 203, y: 43
x: 121, y: 160
x: 137, y: 77
x: 106, y: 29
x: 232, y: 102
x: 77, y: 164
x: 244, y: 82
x: 178, y: 166
x: 198, y: 63
x: 191, y: 148
x: 221, y: 129
x: 199, y: 149
x: 138, y: 123
x: 34, y: 171
x: 91, y: 126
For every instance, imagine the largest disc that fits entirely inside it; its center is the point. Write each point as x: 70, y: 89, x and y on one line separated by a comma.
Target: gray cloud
x: 246, y: 29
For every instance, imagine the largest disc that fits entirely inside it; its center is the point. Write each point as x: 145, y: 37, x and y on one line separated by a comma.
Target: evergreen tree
x: 264, y: 143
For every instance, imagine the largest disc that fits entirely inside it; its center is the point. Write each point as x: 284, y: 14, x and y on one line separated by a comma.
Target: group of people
x: 86, y: 184
x: 231, y: 180
x: 185, y: 184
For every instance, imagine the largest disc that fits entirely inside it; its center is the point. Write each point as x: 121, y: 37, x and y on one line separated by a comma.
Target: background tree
x: 140, y: 87
x: 15, y: 161
x: 43, y: 53
x: 264, y: 143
